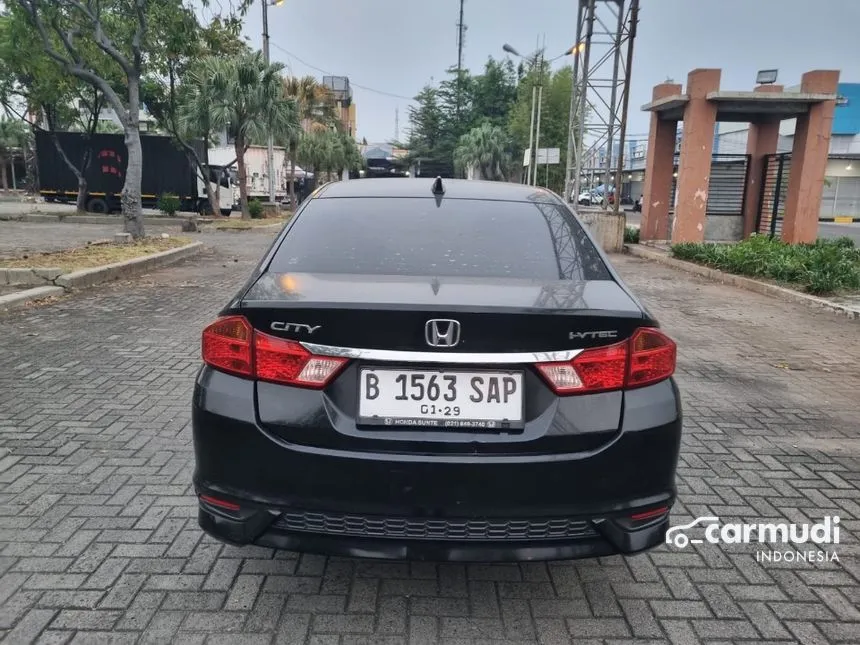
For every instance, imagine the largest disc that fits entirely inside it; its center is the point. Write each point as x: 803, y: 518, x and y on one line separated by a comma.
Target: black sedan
x: 436, y: 370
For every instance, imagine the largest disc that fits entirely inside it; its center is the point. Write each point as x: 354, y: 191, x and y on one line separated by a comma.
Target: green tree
x: 36, y: 90
x: 483, y: 151
x: 13, y: 138
x: 315, y: 151
x: 118, y: 30
x: 186, y: 41
x: 248, y: 99
x: 316, y: 110
x: 494, y: 92
x: 555, y: 114
x: 426, y: 128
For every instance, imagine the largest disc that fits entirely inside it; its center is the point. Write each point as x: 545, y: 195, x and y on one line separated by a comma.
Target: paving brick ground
x: 99, y: 542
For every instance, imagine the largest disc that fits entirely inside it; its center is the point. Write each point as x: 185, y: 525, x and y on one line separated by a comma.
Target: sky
x: 390, y: 49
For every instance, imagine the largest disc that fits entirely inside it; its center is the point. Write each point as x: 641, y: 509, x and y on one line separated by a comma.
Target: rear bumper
x: 383, y: 505
x: 261, y: 528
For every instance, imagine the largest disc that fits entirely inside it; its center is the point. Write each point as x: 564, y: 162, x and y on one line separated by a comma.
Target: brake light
x: 646, y: 357
x: 227, y: 345
x: 286, y: 361
x: 652, y: 357
x: 230, y: 344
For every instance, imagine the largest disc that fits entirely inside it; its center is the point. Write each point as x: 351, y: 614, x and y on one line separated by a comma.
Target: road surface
x: 99, y: 541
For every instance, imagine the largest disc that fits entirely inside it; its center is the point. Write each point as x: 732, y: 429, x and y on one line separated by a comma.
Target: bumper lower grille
x: 375, y: 526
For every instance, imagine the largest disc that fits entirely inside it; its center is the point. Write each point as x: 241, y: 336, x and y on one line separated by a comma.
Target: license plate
x: 444, y: 399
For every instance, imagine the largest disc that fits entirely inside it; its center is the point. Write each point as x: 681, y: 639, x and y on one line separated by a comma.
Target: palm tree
x: 316, y: 151
x: 246, y: 96
x: 316, y: 110
x: 484, y: 151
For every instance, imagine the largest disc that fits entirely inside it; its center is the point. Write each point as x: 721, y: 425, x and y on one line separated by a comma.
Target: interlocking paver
x: 98, y: 520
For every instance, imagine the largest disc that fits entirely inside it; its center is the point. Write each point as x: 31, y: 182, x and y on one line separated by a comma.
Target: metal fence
x: 726, y: 188
x: 774, y: 188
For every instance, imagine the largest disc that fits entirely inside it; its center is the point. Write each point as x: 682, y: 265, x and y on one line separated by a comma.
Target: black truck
x: 166, y: 169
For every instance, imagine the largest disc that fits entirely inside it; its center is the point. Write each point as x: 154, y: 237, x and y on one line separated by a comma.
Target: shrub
x: 631, y: 235
x: 255, y: 207
x: 827, y: 266
x: 168, y: 203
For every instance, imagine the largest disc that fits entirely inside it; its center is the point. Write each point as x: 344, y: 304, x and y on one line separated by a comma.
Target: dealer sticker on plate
x: 441, y: 398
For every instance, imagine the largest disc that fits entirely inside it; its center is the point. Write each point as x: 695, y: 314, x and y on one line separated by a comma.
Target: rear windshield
x: 457, y: 237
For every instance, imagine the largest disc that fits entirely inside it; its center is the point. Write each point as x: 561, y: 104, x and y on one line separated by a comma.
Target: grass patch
x: 823, y: 268
x: 631, y: 235
x: 94, y: 255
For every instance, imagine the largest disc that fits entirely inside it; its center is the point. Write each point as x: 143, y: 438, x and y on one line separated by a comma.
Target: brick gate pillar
x: 762, y: 141
x: 694, y: 165
x: 659, y: 166
x: 809, y: 159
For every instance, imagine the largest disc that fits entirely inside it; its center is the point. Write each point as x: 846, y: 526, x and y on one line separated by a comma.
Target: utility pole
x: 461, y: 32
x: 270, y: 152
x: 539, y: 105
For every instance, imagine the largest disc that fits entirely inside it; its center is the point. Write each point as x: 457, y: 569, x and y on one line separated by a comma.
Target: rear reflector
x: 646, y: 357
x: 232, y: 345
x: 220, y: 503
x: 647, y: 515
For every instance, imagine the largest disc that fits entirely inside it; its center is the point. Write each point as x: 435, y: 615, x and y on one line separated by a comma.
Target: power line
x: 351, y: 82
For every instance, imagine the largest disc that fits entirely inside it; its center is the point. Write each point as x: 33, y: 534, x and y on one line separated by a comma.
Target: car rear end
x: 447, y: 379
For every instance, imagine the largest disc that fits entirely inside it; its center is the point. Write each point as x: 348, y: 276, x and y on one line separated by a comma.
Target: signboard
x: 551, y: 156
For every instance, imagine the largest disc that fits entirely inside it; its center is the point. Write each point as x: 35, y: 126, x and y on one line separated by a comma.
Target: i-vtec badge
x: 591, y: 335
x: 297, y: 327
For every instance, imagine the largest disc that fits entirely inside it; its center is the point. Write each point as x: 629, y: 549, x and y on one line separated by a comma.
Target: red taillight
x: 232, y: 345
x: 594, y: 370
x: 652, y: 357
x: 647, y: 357
x: 286, y: 361
x: 227, y: 345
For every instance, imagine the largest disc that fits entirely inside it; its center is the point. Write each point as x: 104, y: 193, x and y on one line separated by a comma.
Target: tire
x: 97, y: 205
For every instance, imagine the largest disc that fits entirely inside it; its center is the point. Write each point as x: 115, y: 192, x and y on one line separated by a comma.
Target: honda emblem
x: 441, y: 332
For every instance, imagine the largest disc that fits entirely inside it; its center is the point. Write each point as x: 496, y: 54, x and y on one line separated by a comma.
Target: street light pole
x: 270, y: 150
x: 537, y: 127
x: 537, y: 89
x: 531, y: 138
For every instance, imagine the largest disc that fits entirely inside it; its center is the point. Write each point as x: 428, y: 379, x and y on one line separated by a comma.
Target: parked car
x: 445, y: 370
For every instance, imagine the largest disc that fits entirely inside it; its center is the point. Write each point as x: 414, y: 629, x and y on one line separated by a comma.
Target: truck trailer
x: 166, y: 169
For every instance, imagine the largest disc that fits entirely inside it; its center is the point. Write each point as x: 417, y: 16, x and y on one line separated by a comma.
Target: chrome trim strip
x: 395, y: 356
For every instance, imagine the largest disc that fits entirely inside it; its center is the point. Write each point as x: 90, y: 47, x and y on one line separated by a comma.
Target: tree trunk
x: 81, y: 202
x: 243, y: 186
x: 132, y: 208
x: 293, y: 178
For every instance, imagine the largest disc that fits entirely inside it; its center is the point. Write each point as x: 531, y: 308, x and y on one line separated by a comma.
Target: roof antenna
x: 438, y: 188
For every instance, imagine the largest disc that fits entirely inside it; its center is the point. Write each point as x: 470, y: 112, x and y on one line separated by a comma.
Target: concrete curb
x: 15, y: 300
x: 233, y: 229
x: 743, y: 282
x: 43, y: 218
x: 127, y: 268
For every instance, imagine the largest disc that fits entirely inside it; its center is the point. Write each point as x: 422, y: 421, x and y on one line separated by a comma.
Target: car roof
x: 422, y: 187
